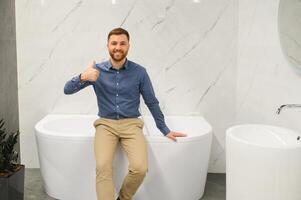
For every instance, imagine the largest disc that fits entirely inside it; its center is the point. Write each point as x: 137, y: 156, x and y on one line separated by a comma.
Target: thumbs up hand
x: 91, y: 73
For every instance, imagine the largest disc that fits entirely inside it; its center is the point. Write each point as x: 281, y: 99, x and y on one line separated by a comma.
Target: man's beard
x: 118, y: 58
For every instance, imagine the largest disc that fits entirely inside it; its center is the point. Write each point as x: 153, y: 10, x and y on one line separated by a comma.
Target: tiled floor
x: 215, y: 186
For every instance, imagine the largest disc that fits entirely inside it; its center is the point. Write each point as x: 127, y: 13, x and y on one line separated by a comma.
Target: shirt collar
x: 125, y: 65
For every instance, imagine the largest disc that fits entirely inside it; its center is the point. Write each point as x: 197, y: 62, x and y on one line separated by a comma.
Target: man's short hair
x: 119, y: 31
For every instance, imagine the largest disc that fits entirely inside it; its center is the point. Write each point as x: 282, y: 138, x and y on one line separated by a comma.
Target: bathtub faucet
x: 288, y: 106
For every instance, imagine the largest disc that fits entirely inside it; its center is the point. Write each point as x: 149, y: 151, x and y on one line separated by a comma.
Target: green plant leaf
x: 8, y: 157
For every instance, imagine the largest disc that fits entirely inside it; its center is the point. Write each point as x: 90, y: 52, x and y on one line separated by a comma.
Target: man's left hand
x: 172, y: 135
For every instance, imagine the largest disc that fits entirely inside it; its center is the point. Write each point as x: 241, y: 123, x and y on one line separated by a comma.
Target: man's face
x: 118, y: 46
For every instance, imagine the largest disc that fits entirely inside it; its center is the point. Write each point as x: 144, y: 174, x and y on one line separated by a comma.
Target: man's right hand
x: 90, y: 74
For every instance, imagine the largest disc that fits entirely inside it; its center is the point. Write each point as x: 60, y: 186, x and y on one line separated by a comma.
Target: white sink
x: 263, y: 163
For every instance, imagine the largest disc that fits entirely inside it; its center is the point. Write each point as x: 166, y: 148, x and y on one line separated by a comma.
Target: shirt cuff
x: 165, y: 131
x: 76, y: 80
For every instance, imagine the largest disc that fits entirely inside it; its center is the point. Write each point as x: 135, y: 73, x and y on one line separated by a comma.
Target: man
x: 118, y: 84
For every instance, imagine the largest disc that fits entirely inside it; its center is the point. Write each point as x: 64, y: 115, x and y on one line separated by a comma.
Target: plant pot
x: 12, y: 185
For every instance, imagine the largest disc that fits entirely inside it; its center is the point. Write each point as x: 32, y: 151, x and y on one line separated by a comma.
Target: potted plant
x: 11, y: 173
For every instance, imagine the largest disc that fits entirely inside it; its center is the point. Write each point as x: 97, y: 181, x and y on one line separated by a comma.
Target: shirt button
x: 117, y: 106
x: 117, y: 83
x: 117, y: 72
x: 116, y: 95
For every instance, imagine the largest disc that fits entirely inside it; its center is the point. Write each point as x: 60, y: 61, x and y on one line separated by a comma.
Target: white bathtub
x: 263, y: 163
x: 177, y: 170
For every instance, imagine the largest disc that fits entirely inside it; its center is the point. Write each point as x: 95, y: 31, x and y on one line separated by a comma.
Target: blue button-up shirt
x: 118, y: 92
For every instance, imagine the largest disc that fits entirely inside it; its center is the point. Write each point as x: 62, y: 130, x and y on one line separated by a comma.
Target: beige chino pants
x: 108, y: 133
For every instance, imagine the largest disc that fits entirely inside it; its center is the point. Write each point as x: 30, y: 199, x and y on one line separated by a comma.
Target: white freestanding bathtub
x: 263, y: 163
x: 177, y: 170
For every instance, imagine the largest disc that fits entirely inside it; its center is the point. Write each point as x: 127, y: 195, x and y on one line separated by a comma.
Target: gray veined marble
x: 189, y: 49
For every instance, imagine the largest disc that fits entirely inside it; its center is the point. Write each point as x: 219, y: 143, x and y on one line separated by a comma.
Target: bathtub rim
x: 230, y: 135
x: 40, y: 131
